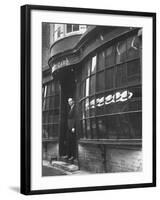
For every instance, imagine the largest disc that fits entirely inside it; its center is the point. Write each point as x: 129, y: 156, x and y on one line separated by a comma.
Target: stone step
x: 69, y: 167
x: 75, y: 162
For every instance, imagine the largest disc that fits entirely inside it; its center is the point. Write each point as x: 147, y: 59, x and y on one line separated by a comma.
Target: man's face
x: 70, y: 101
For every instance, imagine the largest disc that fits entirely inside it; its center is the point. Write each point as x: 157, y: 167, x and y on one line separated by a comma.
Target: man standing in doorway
x: 71, y: 132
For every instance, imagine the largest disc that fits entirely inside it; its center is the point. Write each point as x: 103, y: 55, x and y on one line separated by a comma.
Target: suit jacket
x: 71, y: 118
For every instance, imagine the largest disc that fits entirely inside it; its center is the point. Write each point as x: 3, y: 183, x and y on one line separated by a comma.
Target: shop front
x: 102, y: 73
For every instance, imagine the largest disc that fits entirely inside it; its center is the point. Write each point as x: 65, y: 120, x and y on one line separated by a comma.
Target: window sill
x: 114, y: 142
x: 50, y: 140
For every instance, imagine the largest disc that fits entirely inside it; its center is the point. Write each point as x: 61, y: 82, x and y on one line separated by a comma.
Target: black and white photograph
x: 91, y: 99
x: 88, y: 99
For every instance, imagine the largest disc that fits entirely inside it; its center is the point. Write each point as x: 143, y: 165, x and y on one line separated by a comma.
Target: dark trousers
x: 71, y: 146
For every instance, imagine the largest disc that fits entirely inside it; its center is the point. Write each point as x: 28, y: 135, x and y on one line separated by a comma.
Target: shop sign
x: 60, y: 64
x: 111, y: 98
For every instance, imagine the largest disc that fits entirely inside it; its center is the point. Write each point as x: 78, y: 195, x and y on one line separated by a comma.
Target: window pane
x: 88, y: 129
x: 83, y: 132
x: 45, y: 117
x: 133, y: 71
x: 109, y: 73
x: 110, y: 56
x: 135, y: 122
x: 84, y: 72
x: 45, y: 91
x: 119, y: 106
x: 83, y: 109
x: 93, y: 127
x: 50, y: 117
x: 102, y: 133
x: 47, y: 104
x: 88, y: 66
x: 124, y: 126
x: 133, y: 47
x: 111, y: 127
x: 135, y: 103
x: 100, y: 104
x: 52, y: 131
x: 83, y: 88
x: 121, y: 52
x: 100, y: 81
x: 51, y: 102
x: 56, y: 103
x: 69, y: 28
x: 101, y: 61
x: 92, y: 84
x: 75, y: 27
x: 87, y: 87
x: 118, y: 101
x: 45, y: 131
x: 121, y: 75
x: 87, y: 107
x: 52, y: 88
x: 57, y: 88
x: 44, y: 104
x: 109, y: 105
x: 93, y: 67
x: 49, y: 90
x: 58, y: 32
x: 56, y: 116
x: 92, y: 106
x: 86, y: 69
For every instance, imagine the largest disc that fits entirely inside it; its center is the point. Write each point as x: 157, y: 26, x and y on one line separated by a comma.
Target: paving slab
x: 62, y: 168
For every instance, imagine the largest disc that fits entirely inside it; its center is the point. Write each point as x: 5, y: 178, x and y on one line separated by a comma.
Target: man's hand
x: 73, y: 130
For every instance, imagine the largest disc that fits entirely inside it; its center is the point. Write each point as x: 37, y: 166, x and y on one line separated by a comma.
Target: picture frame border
x: 25, y: 146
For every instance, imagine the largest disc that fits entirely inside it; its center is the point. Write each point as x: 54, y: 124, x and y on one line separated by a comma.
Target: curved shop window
x: 50, y: 109
x: 111, y: 92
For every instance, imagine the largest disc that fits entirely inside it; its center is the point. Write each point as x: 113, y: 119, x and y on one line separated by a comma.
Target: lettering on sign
x: 60, y: 64
x: 111, y: 98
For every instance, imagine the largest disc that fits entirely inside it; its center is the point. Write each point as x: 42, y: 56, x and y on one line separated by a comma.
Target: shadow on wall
x: 15, y: 189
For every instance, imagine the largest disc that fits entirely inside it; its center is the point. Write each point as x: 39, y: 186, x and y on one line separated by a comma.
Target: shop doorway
x: 68, y: 90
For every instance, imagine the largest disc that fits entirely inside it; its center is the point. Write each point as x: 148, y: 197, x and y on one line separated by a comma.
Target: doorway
x: 68, y: 90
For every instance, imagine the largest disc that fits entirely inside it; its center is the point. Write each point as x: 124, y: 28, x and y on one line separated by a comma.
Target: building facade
x: 100, y: 67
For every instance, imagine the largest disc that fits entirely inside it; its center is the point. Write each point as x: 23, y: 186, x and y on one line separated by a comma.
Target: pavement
x: 57, y: 168
x: 48, y: 171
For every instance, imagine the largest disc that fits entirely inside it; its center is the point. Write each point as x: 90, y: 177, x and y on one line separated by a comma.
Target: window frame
x: 104, y: 70
x: 72, y: 27
x: 46, y: 111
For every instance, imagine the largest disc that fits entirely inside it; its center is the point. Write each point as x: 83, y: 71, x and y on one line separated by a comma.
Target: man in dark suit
x: 71, y: 132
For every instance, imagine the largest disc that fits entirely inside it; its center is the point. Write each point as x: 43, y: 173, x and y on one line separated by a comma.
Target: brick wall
x: 91, y: 158
x: 123, y: 160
